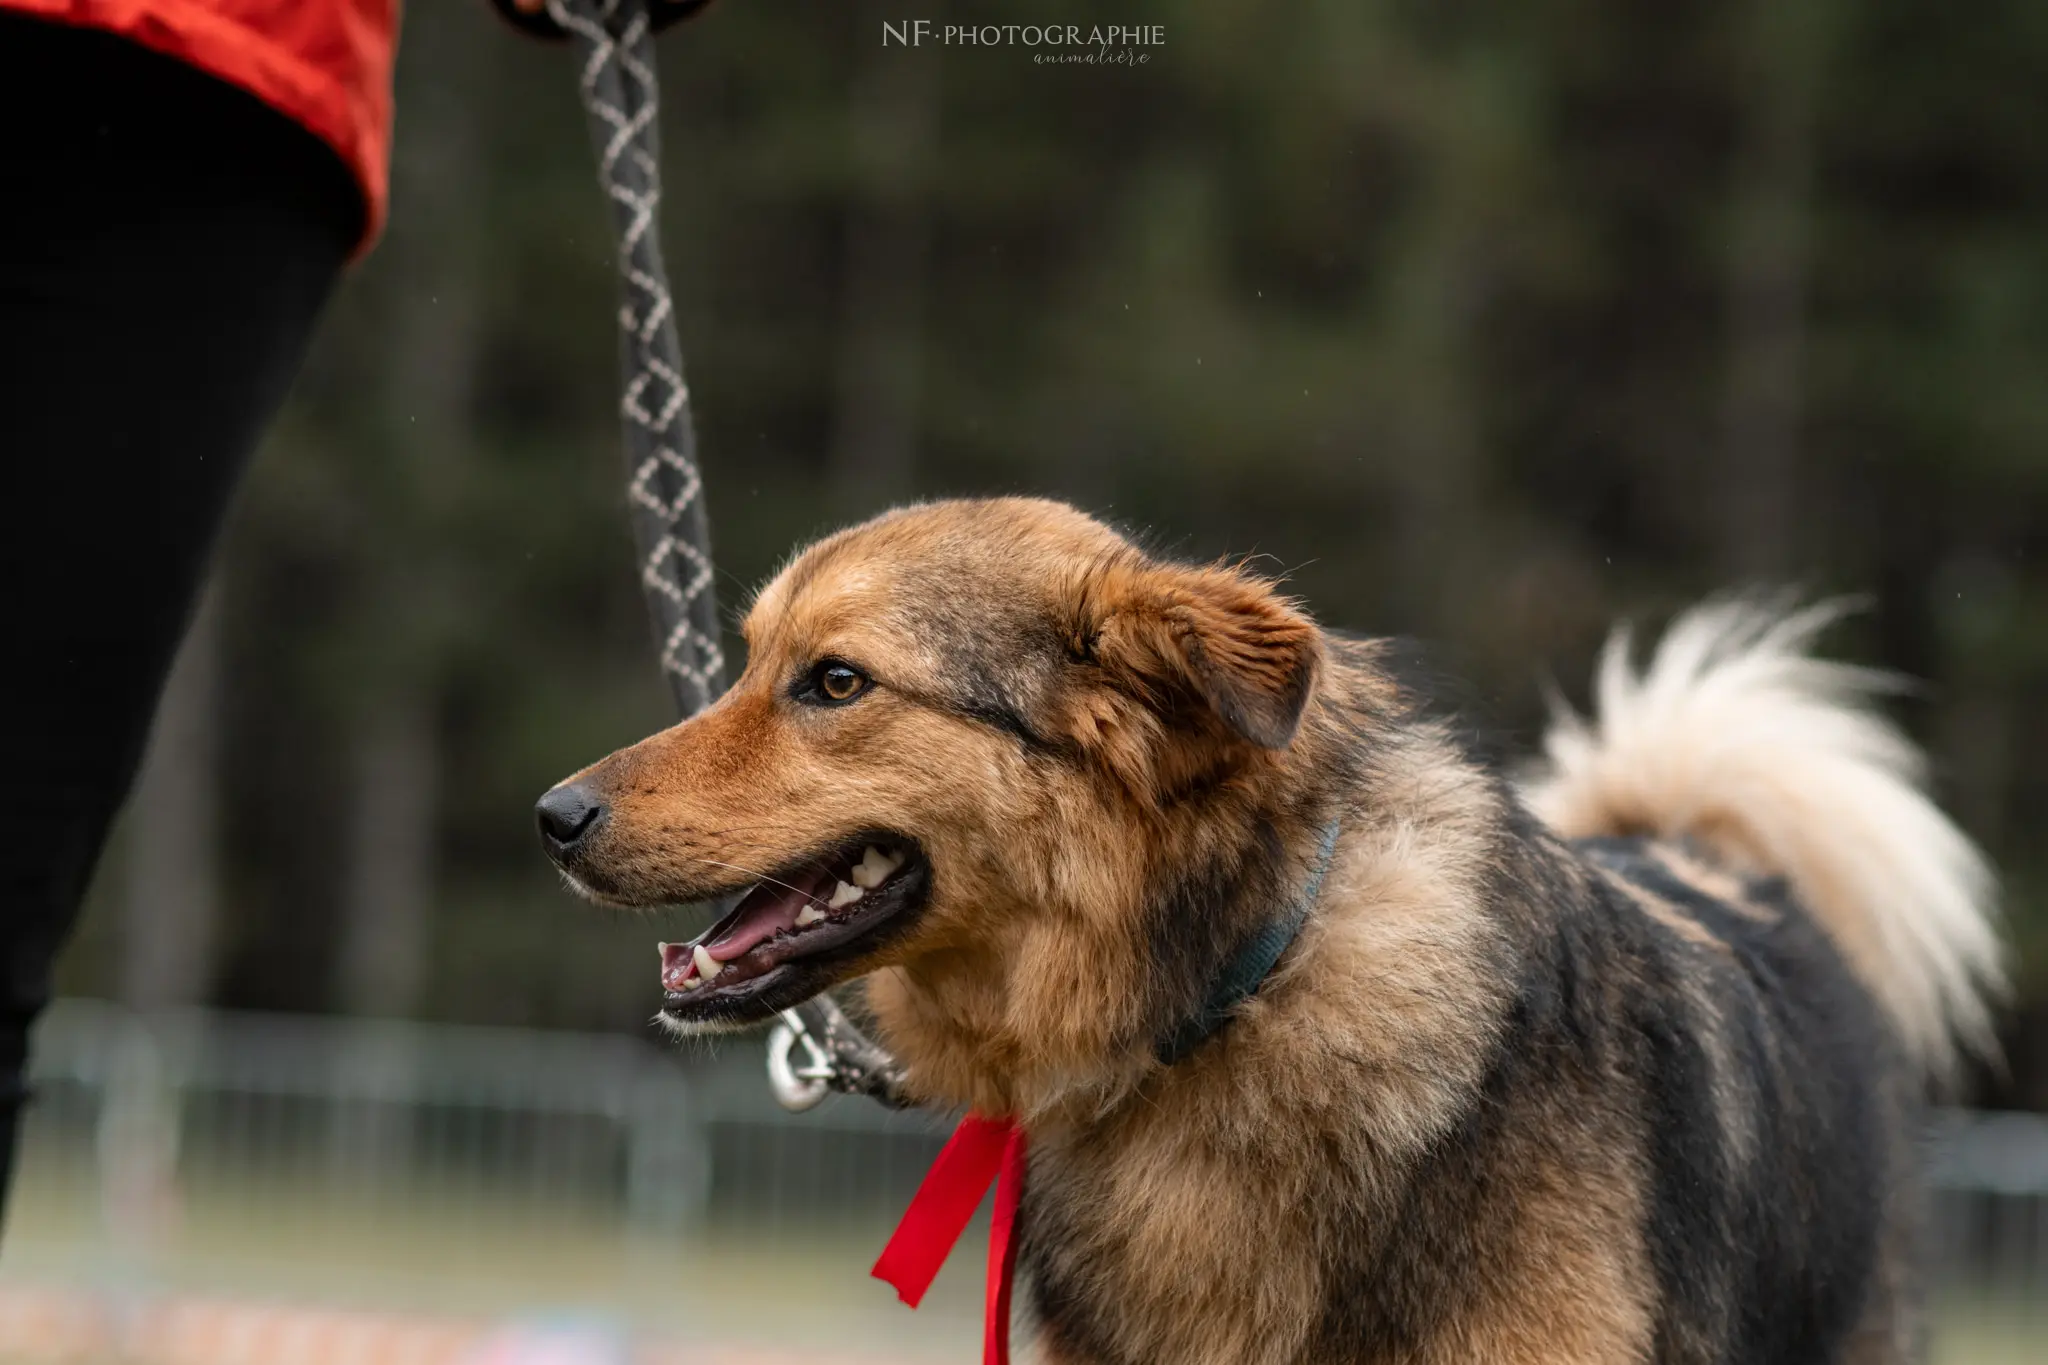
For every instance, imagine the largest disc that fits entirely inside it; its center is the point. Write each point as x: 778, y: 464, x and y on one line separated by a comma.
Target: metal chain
x: 814, y: 1048
x: 664, y: 490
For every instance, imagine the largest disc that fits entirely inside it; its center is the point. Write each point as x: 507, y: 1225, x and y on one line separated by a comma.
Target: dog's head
x: 968, y: 736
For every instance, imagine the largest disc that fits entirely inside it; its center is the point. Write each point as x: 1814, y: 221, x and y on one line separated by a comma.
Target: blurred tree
x: 410, y: 610
x: 172, y: 834
x: 891, y: 118
x: 1780, y: 52
x: 1487, y: 322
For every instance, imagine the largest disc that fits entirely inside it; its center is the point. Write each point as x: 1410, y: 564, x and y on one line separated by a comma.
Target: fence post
x: 137, y: 1145
x: 668, y: 1153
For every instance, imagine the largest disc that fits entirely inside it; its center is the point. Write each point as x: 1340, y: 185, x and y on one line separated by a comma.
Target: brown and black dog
x: 1618, y: 1064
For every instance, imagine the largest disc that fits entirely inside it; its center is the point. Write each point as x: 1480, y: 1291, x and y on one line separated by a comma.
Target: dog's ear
x: 1220, y: 637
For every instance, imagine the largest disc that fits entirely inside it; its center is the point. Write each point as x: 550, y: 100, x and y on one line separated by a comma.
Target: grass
x: 1970, y: 1330
x: 800, y: 1291
x: 497, y: 1259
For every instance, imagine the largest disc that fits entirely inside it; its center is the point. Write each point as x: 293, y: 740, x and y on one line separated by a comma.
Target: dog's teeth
x: 662, y: 948
x: 808, y: 916
x: 707, y: 966
x: 843, y: 894
x: 874, y: 869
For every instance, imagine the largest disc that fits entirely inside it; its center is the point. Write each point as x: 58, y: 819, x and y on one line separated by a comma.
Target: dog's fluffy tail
x: 1737, y: 739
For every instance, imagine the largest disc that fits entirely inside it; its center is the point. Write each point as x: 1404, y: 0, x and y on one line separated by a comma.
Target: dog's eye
x: 840, y: 683
x: 836, y: 681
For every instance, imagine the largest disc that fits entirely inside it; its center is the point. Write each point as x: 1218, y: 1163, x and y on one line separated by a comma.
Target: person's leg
x: 166, y: 244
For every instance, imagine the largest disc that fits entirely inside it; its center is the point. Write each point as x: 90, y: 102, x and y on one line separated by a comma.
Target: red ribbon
x: 981, y: 1152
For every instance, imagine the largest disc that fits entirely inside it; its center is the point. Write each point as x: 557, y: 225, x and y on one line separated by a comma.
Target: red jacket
x: 324, y: 63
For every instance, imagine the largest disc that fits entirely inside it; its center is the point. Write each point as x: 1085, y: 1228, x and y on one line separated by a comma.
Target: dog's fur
x: 1621, y: 1065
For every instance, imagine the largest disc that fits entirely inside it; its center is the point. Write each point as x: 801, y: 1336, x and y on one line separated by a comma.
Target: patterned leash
x: 664, y: 490
x: 815, y: 1048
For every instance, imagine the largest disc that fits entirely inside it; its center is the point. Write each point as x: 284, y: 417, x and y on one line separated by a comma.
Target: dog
x: 1334, y: 1041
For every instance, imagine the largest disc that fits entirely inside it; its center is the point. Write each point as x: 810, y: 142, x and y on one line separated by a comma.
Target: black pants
x: 166, y: 242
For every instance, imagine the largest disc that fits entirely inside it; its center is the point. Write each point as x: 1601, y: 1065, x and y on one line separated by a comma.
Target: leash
x: 664, y: 489
x: 665, y: 492
x: 835, y: 1056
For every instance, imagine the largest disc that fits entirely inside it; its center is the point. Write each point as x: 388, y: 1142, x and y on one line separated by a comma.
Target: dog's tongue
x: 766, y: 911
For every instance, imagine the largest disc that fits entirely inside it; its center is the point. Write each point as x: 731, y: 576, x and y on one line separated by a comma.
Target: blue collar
x: 1248, y: 968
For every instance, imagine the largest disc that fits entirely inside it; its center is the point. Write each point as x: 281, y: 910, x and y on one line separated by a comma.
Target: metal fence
x: 393, y: 1132
x: 655, y: 1139
x: 1989, y: 1173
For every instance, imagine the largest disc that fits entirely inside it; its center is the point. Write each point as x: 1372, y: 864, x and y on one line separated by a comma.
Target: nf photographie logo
x: 1049, y: 44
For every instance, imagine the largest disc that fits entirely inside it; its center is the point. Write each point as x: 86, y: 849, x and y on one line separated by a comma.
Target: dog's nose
x: 566, y: 814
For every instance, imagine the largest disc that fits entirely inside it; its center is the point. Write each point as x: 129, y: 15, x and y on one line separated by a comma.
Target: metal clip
x: 803, y: 1086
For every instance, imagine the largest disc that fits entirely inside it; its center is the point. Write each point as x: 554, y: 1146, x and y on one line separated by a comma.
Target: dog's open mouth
x: 781, y: 943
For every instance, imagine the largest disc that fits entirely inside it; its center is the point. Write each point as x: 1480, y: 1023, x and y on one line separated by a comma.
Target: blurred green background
x: 1487, y: 323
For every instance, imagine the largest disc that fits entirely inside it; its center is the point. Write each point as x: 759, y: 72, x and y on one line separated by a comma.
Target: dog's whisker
x: 762, y: 876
